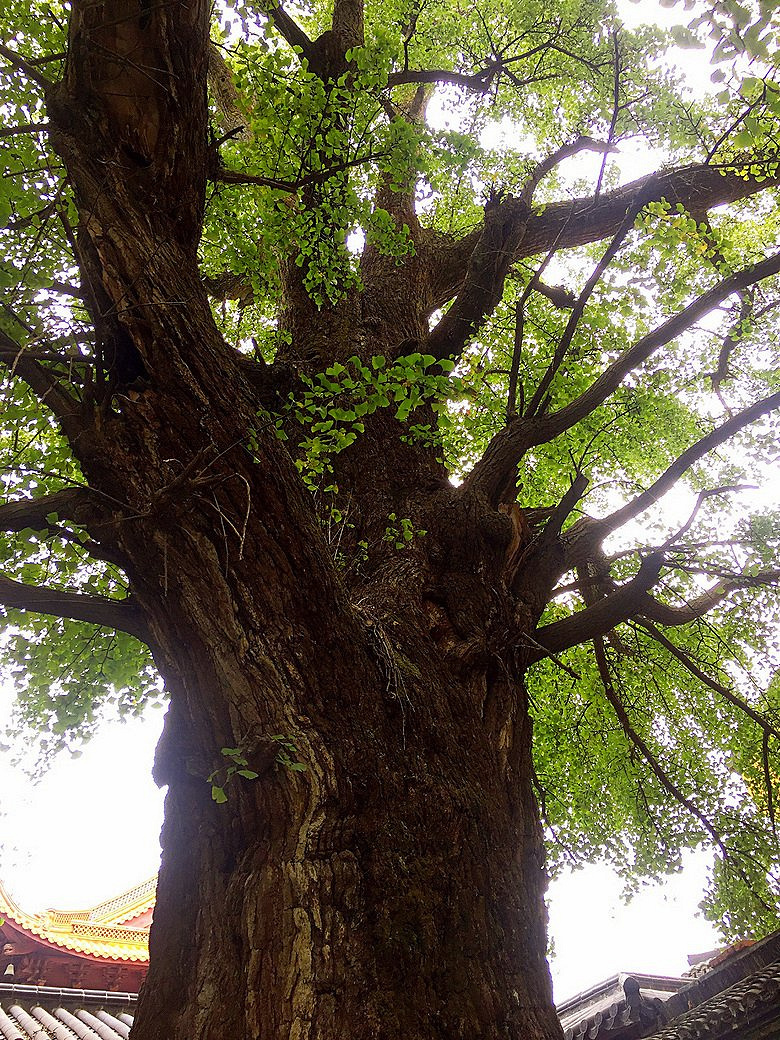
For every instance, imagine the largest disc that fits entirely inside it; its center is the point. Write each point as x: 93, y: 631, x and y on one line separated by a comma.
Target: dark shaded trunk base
x: 380, y: 894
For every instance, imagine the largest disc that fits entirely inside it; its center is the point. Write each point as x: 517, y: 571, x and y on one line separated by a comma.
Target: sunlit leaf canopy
x: 639, y: 752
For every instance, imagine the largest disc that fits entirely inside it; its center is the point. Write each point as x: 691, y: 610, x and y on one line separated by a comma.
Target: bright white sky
x: 90, y: 828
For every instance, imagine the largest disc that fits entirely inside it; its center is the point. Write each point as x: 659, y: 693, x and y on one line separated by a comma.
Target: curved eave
x: 88, y: 949
x: 35, y: 928
x: 8, y: 907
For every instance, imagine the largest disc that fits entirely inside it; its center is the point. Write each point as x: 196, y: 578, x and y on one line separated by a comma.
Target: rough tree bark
x: 394, y: 888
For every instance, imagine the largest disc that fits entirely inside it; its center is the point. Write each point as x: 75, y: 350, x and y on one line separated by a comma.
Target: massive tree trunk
x: 372, y: 864
x: 395, y: 886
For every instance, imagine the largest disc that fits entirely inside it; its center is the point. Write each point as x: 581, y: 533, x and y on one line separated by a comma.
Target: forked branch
x: 493, y: 255
x: 632, y: 601
x: 580, y: 221
x: 587, y: 533
x: 508, y: 446
x: 603, y: 616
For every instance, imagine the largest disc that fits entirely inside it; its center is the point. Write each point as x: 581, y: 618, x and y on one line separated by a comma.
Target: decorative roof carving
x: 626, y: 1005
x: 99, y: 932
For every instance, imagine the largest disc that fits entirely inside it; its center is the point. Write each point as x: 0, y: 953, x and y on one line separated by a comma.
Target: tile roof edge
x: 644, y: 980
x: 712, y: 983
x: 50, y: 993
x: 90, y: 948
x: 105, y: 912
x: 127, y: 950
x: 10, y: 907
x: 705, y: 1014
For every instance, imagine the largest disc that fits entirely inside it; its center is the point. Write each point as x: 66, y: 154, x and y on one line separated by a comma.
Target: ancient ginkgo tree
x: 354, y: 384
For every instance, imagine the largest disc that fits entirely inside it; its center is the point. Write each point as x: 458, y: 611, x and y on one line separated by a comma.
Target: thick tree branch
x: 541, y: 558
x: 603, y: 616
x: 580, y: 221
x: 547, y: 165
x: 24, y: 65
x: 479, y: 81
x: 289, y: 30
x: 558, y: 422
x: 491, y: 473
x: 673, y: 617
x: 74, y: 504
x: 22, y: 128
x: 94, y: 610
x: 632, y: 601
x: 493, y: 255
x: 43, y: 383
x: 483, y: 282
x: 326, y: 55
x: 560, y: 513
x: 225, y: 176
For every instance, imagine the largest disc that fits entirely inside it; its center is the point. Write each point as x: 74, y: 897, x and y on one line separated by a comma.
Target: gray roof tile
x: 49, y: 1013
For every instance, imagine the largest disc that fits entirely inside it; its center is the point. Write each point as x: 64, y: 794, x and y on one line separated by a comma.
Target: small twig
x: 615, y: 109
x: 242, y: 537
x: 690, y: 665
x: 700, y: 500
x: 633, y: 737
x: 550, y: 656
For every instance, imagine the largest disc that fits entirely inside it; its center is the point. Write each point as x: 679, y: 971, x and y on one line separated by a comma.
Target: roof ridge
x: 760, y: 987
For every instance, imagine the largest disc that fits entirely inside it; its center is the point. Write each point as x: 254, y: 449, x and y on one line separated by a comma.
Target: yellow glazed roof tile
x: 98, y: 932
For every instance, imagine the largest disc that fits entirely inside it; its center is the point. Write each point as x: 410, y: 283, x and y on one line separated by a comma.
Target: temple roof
x: 114, y: 930
x: 754, y: 998
x: 48, y: 1013
x: 736, y: 993
x: 626, y: 1004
